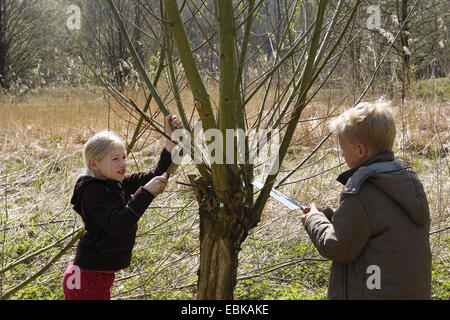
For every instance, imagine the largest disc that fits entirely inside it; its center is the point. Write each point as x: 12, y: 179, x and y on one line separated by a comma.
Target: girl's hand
x: 157, y: 185
x: 176, y: 124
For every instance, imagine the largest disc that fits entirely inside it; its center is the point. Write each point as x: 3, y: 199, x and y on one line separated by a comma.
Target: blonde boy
x: 378, y: 237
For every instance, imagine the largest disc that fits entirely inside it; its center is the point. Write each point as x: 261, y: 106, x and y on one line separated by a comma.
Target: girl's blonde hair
x: 370, y: 123
x: 99, y: 146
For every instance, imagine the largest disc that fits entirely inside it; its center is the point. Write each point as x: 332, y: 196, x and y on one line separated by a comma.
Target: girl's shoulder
x: 88, y: 189
x: 88, y: 186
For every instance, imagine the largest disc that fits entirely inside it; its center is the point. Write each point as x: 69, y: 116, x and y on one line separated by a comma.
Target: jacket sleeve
x: 132, y: 182
x: 328, y: 213
x: 99, y: 209
x: 343, y: 239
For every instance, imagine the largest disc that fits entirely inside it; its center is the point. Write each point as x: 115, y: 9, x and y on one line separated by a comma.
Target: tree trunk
x: 404, y: 37
x: 219, y: 248
x: 3, y: 49
x: 223, y: 228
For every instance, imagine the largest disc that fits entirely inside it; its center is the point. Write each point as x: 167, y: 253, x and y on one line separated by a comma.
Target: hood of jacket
x: 395, y: 179
x: 80, y: 186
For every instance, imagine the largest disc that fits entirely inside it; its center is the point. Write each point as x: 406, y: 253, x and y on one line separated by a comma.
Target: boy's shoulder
x: 376, y: 170
x: 392, y: 179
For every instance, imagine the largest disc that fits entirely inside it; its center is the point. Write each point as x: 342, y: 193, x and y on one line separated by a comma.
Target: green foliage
x: 433, y: 89
x: 46, y: 289
x: 308, y: 280
x: 440, y: 272
x: 440, y: 282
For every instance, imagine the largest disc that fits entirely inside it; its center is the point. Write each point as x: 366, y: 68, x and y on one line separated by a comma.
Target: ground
x: 41, y: 141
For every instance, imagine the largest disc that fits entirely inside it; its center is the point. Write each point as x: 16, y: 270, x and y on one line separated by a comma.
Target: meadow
x: 41, y: 141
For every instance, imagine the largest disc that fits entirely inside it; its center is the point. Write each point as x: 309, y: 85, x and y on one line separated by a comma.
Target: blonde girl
x: 110, y: 202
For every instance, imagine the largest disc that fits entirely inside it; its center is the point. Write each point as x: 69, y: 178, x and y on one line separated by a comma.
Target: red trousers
x: 82, y: 284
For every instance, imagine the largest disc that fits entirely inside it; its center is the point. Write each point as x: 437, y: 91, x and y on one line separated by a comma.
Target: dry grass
x: 41, y: 138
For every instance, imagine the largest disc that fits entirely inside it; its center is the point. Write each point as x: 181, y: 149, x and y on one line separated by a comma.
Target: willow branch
x: 137, y: 60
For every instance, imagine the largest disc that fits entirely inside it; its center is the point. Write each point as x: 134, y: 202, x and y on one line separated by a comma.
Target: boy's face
x: 113, y: 166
x: 354, y: 153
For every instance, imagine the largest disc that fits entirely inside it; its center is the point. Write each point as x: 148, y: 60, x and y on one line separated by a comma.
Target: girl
x: 110, y: 203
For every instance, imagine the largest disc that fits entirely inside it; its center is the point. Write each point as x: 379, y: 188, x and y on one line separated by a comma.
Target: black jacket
x: 110, y: 211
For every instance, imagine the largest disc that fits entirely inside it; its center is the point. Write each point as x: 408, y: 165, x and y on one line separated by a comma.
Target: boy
x: 378, y: 237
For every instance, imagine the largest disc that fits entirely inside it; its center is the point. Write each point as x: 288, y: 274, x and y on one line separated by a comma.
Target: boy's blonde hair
x: 370, y: 123
x: 99, y: 146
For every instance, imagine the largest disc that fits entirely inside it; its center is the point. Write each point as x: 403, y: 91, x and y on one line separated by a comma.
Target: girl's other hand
x: 176, y: 124
x: 157, y: 185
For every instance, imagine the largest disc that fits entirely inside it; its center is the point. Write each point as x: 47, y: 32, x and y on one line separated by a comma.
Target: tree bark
x: 3, y: 49
x: 219, y: 248
x: 404, y: 38
x: 223, y: 228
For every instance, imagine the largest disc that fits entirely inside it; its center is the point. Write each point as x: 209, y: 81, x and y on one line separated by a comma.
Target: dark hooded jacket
x: 110, y: 211
x: 378, y: 238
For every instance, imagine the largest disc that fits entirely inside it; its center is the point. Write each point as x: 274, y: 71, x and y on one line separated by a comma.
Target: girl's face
x: 113, y: 166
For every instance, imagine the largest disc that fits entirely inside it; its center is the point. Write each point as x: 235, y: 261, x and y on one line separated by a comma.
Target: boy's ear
x: 363, y: 150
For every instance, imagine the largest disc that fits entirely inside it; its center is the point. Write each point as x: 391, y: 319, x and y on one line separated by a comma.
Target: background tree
x: 30, y: 35
x: 418, y: 52
x: 102, y: 45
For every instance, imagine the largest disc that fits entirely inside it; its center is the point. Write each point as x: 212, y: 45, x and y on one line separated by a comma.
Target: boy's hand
x: 327, y: 211
x: 306, y: 211
x: 176, y: 124
x: 157, y: 185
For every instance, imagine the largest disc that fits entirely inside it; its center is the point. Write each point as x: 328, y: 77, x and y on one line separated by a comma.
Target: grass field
x: 41, y: 140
